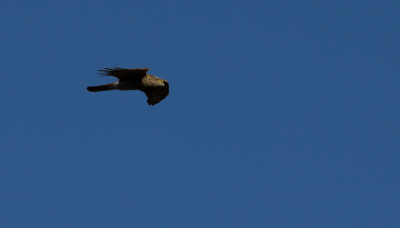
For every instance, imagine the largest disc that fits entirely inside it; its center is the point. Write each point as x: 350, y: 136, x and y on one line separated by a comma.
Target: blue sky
x: 280, y: 114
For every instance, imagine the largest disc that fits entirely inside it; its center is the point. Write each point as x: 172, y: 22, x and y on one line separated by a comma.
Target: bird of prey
x: 156, y: 89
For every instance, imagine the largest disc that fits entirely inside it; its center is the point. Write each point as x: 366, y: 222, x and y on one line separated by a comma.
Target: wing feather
x: 122, y: 73
x: 157, y: 94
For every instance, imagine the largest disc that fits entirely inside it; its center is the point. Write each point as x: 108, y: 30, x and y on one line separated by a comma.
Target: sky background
x: 280, y: 114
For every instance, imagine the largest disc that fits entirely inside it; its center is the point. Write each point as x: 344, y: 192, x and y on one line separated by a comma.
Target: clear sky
x: 280, y: 114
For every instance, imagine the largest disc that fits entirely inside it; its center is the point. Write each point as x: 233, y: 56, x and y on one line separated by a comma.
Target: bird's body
x: 156, y: 89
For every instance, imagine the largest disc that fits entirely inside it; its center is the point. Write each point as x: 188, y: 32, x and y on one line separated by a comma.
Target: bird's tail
x: 105, y: 87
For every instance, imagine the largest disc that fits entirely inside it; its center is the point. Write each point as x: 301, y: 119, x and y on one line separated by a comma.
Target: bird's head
x: 163, y: 82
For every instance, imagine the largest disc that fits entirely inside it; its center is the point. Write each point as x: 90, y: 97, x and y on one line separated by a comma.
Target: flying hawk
x: 156, y: 89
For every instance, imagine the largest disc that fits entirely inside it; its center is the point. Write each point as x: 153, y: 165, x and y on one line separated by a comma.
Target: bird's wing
x: 156, y: 94
x: 122, y: 73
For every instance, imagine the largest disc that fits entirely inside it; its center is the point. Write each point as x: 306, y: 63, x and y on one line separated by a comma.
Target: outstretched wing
x: 156, y: 94
x: 122, y: 73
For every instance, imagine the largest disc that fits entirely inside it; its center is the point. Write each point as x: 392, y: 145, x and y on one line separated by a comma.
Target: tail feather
x: 99, y: 88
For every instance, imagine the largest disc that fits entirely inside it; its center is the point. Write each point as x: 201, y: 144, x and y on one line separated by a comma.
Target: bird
x: 156, y: 89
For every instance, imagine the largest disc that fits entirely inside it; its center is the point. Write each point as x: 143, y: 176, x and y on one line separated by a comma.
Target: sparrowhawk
x: 156, y: 89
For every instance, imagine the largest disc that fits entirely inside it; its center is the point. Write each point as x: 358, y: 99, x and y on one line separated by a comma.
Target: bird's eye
x: 159, y: 80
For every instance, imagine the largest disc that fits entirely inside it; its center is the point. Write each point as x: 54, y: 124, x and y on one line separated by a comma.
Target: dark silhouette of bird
x: 156, y: 89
